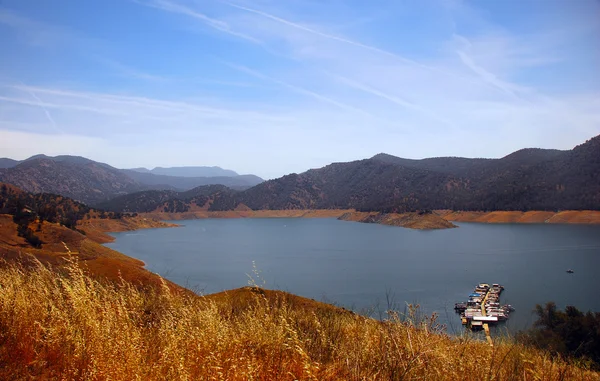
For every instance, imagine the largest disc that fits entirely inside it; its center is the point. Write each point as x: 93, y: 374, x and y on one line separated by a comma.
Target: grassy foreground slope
x: 69, y: 326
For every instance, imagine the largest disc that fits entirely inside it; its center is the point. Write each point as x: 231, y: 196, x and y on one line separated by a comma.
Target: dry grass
x: 69, y: 326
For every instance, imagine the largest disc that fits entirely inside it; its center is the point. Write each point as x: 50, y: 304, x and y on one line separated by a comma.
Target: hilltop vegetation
x: 200, y: 198
x: 56, y: 230
x: 91, y: 182
x: 75, y: 177
x: 529, y: 179
x: 67, y: 325
x: 27, y: 209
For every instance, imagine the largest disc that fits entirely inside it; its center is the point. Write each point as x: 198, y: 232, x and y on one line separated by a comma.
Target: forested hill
x: 529, y: 179
x: 200, y: 198
x: 92, y: 182
x: 27, y: 208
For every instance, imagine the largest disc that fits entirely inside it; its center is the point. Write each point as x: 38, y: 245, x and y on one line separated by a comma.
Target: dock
x: 483, y: 308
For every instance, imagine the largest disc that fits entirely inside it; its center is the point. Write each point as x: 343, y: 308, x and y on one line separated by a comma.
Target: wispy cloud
x: 34, y: 32
x: 326, y: 35
x: 421, y: 81
x: 41, y: 104
x: 393, y: 99
x: 131, y: 72
x: 214, y: 23
x: 297, y: 89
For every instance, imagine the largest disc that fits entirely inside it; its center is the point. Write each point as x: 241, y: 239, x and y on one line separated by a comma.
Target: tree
x: 570, y: 333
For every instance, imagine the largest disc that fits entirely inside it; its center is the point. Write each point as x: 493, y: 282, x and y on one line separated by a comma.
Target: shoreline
x: 288, y: 213
x: 583, y: 217
x: 97, y: 229
x: 414, y: 220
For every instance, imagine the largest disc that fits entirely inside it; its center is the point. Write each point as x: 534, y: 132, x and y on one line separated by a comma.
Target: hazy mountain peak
x: 5, y: 162
x: 194, y: 171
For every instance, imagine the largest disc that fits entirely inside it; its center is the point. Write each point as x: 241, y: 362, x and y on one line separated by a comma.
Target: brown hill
x: 57, y: 230
x: 63, y: 246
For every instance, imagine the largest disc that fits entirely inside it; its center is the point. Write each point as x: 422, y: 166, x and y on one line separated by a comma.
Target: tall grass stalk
x: 69, y: 326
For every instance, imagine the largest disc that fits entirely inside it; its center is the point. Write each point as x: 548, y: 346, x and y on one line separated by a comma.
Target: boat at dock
x: 483, y: 307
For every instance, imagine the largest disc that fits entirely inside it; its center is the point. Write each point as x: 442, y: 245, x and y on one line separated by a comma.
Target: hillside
x: 92, y: 182
x: 7, y: 163
x: 529, y: 179
x: 57, y: 230
x: 80, y: 178
x: 70, y: 326
x: 166, y: 201
x: 157, y: 181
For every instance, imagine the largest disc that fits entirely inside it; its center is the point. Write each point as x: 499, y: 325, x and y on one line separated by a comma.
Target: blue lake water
x: 360, y: 266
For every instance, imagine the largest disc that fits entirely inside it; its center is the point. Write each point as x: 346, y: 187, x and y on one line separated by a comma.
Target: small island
x: 423, y: 220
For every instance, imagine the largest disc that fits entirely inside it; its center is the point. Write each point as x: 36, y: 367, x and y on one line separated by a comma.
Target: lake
x: 360, y: 266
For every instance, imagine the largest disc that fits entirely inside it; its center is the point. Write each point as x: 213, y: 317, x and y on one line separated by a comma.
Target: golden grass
x: 69, y: 326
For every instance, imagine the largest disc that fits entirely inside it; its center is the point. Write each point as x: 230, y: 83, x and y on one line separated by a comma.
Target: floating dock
x: 483, y: 307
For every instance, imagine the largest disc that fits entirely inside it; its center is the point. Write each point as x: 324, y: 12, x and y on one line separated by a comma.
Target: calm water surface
x: 356, y: 265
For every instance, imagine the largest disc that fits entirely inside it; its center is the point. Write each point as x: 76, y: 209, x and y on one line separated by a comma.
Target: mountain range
x: 92, y: 182
x: 189, y: 171
x: 528, y: 179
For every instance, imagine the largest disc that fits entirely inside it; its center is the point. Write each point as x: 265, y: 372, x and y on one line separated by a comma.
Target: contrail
x: 297, y: 89
x: 326, y: 35
x: 26, y: 89
x: 485, y: 80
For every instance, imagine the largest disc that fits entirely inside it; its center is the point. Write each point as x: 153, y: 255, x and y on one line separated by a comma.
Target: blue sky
x: 273, y: 87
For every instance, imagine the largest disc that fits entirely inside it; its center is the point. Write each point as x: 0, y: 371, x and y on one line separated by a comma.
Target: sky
x: 272, y: 87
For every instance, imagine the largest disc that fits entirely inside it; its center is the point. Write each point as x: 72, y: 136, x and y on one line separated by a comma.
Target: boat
x: 460, y: 307
x: 570, y: 271
x: 483, y: 307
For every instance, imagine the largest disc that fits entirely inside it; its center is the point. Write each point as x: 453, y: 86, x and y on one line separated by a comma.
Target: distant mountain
x: 75, y: 177
x: 92, y: 182
x: 141, y: 170
x: 8, y: 163
x: 189, y: 171
x: 529, y: 179
x: 184, y: 183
